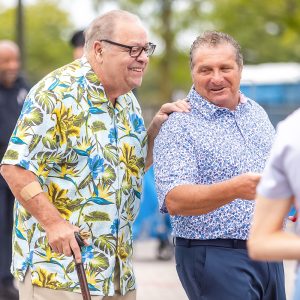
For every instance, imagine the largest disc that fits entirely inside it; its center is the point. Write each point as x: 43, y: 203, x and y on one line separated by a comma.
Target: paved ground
x: 158, y: 280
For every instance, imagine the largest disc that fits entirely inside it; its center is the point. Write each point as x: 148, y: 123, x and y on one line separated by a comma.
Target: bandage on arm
x: 30, y: 190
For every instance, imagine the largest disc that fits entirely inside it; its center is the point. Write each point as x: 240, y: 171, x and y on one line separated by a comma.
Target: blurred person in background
x: 75, y: 161
x: 207, y: 164
x: 278, y: 190
x: 13, y: 90
x: 77, y: 43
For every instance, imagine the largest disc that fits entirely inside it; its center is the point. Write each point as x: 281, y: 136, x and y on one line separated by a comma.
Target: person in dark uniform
x: 13, y: 90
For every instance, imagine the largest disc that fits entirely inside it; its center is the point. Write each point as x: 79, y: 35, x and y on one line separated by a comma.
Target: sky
x: 81, y: 11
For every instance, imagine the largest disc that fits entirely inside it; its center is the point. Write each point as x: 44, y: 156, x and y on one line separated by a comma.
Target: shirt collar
x: 123, y: 101
x: 209, y: 109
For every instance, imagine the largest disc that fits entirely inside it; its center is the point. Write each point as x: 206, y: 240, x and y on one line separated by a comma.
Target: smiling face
x: 216, y: 74
x: 120, y: 73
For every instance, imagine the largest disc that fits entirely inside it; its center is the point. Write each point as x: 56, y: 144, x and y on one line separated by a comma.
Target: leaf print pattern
x: 89, y: 158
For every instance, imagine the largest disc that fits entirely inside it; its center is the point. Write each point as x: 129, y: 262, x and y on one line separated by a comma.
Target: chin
x: 137, y: 83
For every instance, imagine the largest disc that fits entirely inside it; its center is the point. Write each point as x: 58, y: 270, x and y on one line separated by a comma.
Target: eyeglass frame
x: 151, y: 46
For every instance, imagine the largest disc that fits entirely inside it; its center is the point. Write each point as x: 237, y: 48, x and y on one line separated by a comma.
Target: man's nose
x: 13, y: 64
x: 143, y: 57
x: 217, y: 77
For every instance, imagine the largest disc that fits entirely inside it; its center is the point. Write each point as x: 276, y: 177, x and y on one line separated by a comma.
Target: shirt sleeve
x: 283, y: 164
x: 33, y: 144
x: 174, y: 157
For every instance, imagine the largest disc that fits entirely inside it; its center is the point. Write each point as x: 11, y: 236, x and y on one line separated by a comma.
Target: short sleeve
x: 33, y: 144
x: 283, y: 164
x: 174, y: 157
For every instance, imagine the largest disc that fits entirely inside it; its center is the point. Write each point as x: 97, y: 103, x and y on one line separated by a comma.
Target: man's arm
x: 267, y: 238
x: 197, y: 199
x: 160, y: 117
x: 60, y: 233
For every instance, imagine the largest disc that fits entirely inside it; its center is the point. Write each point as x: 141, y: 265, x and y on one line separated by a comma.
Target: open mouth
x: 139, y: 70
x: 217, y: 89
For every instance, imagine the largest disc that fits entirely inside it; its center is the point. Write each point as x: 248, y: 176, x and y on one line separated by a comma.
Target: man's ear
x: 97, y: 48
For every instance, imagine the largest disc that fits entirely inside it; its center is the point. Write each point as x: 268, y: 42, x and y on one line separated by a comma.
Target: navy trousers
x: 6, y: 223
x: 222, y: 273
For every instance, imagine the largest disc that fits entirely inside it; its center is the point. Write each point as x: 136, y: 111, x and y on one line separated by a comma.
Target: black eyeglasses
x: 135, y: 51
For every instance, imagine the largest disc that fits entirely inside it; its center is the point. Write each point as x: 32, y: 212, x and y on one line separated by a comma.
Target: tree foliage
x: 268, y: 31
x: 47, y: 31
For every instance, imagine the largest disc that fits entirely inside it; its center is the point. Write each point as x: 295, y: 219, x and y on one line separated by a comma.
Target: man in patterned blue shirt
x: 207, y: 164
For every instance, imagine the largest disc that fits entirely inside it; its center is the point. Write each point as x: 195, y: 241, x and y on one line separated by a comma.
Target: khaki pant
x: 28, y: 291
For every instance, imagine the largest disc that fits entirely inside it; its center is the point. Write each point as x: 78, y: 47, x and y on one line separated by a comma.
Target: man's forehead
x: 136, y: 34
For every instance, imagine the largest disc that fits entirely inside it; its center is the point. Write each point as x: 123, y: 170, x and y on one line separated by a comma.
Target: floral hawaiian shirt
x: 89, y: 157
x: 208, y: 145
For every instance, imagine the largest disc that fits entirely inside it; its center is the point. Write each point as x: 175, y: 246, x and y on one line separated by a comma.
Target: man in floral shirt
x: 81, y: 137
x: 207, y: 164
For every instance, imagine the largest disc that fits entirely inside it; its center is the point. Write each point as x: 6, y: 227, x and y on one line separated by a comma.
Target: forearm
x: 189, y: 200
x: 151, y: 134
x: 267, y: 239
x: 39, y: 206
x: 276, y: 246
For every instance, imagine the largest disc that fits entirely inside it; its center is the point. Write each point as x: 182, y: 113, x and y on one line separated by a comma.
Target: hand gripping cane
x: 80, y: 270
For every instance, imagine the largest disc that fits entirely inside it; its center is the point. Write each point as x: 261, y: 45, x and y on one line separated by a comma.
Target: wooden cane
x: 80, y: 270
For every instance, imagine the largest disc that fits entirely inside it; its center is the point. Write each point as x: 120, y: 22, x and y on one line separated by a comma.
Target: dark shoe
x: 165, y: 250
x: 9, y: 292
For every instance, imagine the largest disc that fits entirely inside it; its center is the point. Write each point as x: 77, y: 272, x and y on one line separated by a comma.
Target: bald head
x: 105, y: 26
x: 9, y: 62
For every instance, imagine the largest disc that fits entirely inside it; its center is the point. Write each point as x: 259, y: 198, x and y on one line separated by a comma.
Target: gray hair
x: 214, y: 39
x: 9, y: 44
x: 103, y: 26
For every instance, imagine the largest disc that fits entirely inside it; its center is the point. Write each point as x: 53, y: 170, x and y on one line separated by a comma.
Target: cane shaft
x: 81, y: 272
x: 83, y: 282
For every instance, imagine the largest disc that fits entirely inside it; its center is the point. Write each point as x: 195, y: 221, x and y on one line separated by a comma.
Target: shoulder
x: 176, y: 122
x: 289, y: 127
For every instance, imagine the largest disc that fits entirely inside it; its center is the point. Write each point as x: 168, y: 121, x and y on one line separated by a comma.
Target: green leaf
x: 79, y: 120
x: 85, y: 182
x: 71, y: 267
x: 48, y: 140
x: 92, y: 78
x: 35, y: 117
x: 98, y: 125
x: 110, y: 153
x: 99, y: 263
x: 11, y: 155
x: 45, y: 100
x: 105, y: 286
x: 145, y: 140
x: 118, y: 198
x: 30, y: 233
x: 97, y: 216
x: 109, y: 175
x: 107, y: 243
x: 18, y: 249
x: 74, y: 205
x: 34, y: 142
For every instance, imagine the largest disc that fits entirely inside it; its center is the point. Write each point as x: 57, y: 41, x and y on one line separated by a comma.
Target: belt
x: 226, y: 243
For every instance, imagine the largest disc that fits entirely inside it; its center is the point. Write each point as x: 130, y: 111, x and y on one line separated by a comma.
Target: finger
x: 86, y: 242
x: 75, y: 250
x: 171, y: 107
x: 66, y: 248
x: 53, y: 248
x: 184, y: 106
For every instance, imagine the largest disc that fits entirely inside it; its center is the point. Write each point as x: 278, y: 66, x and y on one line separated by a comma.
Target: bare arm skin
x: 268, y: 240
x: 197, y: 199
x: 60, y: 233
x: 160, y: 117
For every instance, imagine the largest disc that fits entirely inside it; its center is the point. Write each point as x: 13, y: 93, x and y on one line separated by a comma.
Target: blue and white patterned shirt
x: 211, y: 144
